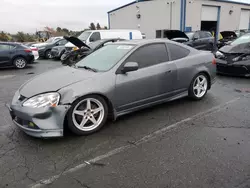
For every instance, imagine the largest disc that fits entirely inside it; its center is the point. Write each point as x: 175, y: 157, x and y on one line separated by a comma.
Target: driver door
x: 137, y: 88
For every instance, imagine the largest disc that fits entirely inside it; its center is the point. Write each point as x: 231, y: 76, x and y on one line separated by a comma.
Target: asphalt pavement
x: 178, y: 144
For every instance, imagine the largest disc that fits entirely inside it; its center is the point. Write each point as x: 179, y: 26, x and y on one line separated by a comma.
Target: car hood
x: 240, y: 48
x: 172, y: 34
x: 77, y: 42
x: 228, y: 34
x: 54, y: 80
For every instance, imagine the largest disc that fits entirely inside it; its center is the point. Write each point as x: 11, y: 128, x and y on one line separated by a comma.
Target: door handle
x: 168, y: 71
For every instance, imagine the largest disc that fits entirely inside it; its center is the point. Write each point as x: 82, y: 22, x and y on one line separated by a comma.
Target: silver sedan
x: 119, y: 78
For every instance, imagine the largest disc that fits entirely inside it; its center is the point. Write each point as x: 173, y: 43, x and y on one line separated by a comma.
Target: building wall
x: 155, y: 15
x: 227, y: 21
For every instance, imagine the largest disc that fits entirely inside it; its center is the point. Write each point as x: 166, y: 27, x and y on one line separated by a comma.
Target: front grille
x: 25, y: 123
x: 68, y: 49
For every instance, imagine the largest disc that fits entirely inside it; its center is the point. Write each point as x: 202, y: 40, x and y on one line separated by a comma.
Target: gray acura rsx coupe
x: 117, y: 79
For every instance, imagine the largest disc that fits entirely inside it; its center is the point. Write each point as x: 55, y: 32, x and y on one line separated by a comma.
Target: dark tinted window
x: 4, y: 47
x: 205, y: 34
x: 149, y: 55
x: 62, y: 42
x: 177, y: 52
x: 95, y: 36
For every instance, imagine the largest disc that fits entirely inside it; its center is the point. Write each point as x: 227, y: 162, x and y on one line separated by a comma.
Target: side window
x: 196, y: 35
x: 4, y: 47
x: 177, y: 52
x: 95, y: 36
x: 62, y: 42
x: 203, y: 35
x: 149, y: 55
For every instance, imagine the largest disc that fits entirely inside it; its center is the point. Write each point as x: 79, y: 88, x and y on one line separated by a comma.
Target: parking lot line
x: 145, y: 139
x: 6, y: 76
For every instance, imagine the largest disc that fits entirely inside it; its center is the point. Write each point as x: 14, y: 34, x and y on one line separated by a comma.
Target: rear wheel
x: 20, y: 62
x: 87, y: 115
x: 198, y: 87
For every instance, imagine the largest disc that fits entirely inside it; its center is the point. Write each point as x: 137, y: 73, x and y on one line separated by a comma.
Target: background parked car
x: 94, y: 35
x: 45, y: 50
x: 50, y: 40
x: 72, y: 57
x: 234, y: 59
x: 15, y: 54
x: 201, y: 40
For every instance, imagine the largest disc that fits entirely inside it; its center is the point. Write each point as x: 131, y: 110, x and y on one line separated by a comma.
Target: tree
x: 59, y: 29
x: 92, y: 26
x: 3, y: 36
x: 65, y: 30
x: 98, y: 27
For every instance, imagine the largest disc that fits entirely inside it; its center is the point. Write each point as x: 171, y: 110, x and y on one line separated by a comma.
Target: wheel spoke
x: 198, y: 91
x: 84, y: 121
x: 80, y: 113
x: 196, y: 87
x: 203, y: 89
x: 95, y: 111
x: 92, y: 118
x: 203, y: 82
x: 88, y: 104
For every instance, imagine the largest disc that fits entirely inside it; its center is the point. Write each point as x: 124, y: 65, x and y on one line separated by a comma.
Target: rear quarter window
x: 177, y: 52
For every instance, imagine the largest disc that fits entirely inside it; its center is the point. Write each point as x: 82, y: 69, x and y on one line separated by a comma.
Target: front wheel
x: 198, y: 87
x: 20, y: 62
x: 87, y: 115
x: 48, y: 54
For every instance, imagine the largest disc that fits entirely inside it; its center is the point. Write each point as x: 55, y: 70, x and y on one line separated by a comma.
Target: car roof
x: 10, y: 43
x: 142, y: 41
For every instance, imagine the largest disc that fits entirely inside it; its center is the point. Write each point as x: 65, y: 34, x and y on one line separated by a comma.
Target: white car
x: 35, y: 52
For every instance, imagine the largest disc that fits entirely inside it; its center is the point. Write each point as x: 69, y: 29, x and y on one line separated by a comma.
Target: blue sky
x: 29, y: 15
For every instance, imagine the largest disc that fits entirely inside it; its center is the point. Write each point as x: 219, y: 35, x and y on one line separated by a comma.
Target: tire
x: 48, y: 54
x: 20, y: 62
x: 81, y: 118
x: 197, y: 90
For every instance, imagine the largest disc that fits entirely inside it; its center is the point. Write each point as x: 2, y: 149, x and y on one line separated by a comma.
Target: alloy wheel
x: 200, y: 86
x: 88, y: 114
x: 20, y: 63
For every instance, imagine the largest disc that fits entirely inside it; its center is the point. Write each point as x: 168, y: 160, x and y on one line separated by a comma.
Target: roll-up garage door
x: 244, y: 19
x: 209, y: 13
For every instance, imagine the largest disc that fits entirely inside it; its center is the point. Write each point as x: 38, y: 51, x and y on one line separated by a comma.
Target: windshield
x: 50, y: 40
x: 105, y: 58
x: 190, y: 35
x: 242, y: 39
x: 93, y: 45
x: 84, y: 36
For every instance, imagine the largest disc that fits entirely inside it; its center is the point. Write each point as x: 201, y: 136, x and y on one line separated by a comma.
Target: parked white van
x: 94, y: 35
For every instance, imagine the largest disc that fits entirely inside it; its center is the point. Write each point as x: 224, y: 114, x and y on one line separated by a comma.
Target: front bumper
x: 39, y: 122
x: 232, y: 69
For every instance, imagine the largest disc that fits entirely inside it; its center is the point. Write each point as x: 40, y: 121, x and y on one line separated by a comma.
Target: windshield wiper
x: 87, y: 68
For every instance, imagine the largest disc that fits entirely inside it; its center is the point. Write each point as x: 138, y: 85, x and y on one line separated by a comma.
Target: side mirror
x: 129, y: 67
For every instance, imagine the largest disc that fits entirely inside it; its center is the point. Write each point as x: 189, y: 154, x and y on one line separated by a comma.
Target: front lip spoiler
x: 40, y: 133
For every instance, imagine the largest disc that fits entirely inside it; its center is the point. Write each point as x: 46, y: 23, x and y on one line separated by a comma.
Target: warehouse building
x: 152, y: 17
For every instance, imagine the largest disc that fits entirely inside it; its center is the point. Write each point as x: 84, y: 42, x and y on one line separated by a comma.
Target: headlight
x: 218, y: 54
x: 43, y: 100
x: 75, y: 48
